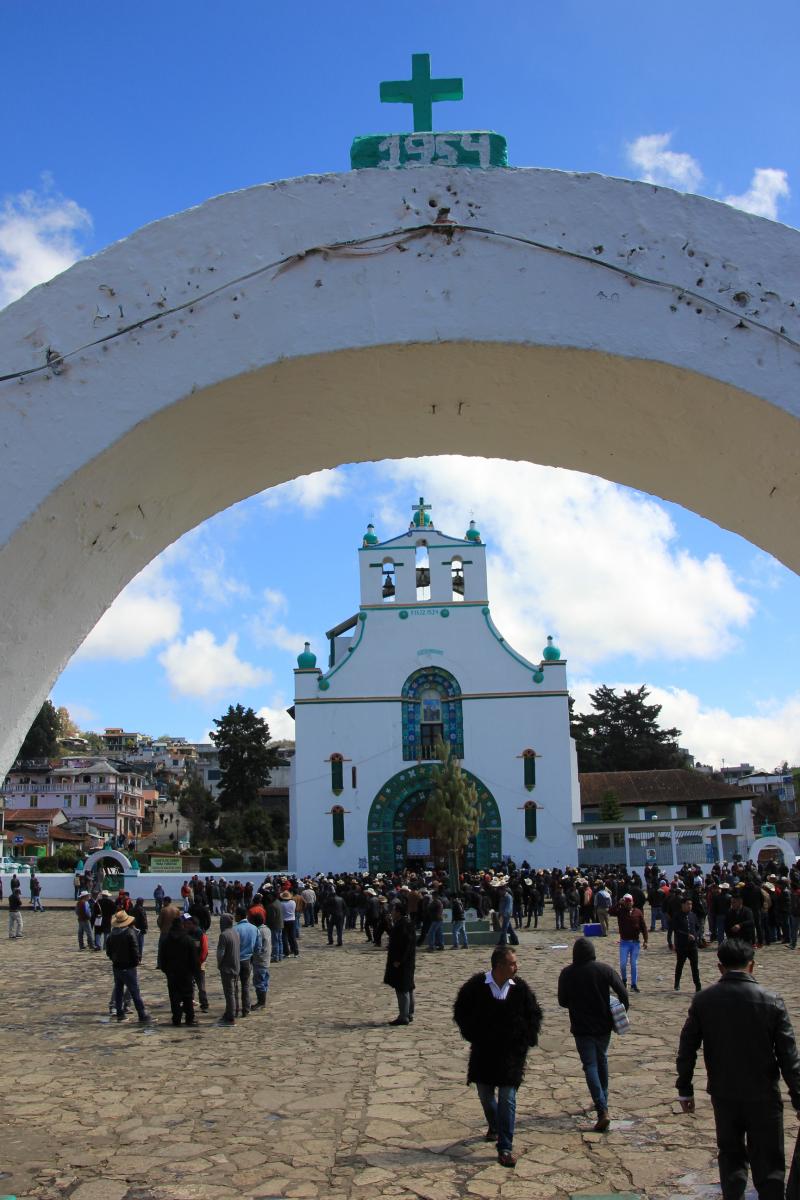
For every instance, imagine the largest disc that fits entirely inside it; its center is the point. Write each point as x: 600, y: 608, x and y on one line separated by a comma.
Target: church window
x: 389, y: 581
x: 530, y: 820
x: 337, y: 774
x: 529, y: 769
x: 431, y: 709
x: 423, y: 572
x: 354, y: 777
x: 337, y: 821
x: 457, y: 576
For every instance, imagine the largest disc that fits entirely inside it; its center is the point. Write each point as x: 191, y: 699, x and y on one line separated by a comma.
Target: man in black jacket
x: 122, y: 948
x: 748, y: 1042
x: 686, y: 931
x: 335, y: 910
x: 585, y: 988
x: 499, y: 1015
x: 739, y: 921
x: 179, y: 959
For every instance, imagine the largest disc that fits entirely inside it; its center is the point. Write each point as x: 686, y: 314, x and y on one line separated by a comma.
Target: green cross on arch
x: 421, y: 91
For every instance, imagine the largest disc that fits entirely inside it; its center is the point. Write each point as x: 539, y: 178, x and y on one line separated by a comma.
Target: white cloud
x: 656, y: 163
x: 144, y: 615
x: 40, y: 234
x: 201, y: 666
x: 81, y: 714
x: 281, y: 725
x: 594, y: 564
x: 714, y: 735
x: 309, y: 492
x: 767, y: 187
x: 266, y: 631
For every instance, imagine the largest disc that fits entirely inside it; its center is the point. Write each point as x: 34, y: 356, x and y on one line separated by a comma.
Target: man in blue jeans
x: 435, y: 937
x: 122, y: 948
x: 631, y: 924
x: 498, y: 1014
x: 505, y: 911
x: 584, y: 989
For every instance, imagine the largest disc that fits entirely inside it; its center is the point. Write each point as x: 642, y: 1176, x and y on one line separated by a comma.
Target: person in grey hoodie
x: 228, y: 963
x: 585, y: 988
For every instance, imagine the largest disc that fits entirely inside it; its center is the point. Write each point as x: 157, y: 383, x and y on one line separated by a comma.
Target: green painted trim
x: 490, y: 625
x: 325, y: 681
x: 402, y: 699
x: 475, y: 149
x: 457, y: 604
x: 454, y: 545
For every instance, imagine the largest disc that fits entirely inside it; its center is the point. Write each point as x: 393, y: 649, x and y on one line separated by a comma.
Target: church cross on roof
x: 421, y: 91
x: 421, y: 511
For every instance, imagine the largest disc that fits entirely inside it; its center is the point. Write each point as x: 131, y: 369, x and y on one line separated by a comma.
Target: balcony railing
x: 65, y: 789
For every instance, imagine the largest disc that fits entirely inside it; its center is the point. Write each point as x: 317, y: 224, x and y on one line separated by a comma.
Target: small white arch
x: 98, y: 856
x: 772, y: 843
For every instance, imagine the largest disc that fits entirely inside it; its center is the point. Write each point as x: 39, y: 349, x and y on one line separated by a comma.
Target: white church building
x: 421, y: 659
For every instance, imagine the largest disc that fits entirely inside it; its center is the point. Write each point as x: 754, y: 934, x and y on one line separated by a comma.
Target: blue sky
x: 119, y: 116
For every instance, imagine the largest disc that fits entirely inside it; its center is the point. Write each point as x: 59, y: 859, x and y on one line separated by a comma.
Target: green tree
x: 94, y: 741
x: 247, y: 829
x: 622, y: 734
x: 610, y: 807
x: 245, y: 757
x: 66, y: 726
x: 41, y: 740
x: 199, y: 807
x: 453, y: 809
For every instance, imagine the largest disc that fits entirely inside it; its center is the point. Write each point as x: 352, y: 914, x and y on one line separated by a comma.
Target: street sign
x: 19, y: 840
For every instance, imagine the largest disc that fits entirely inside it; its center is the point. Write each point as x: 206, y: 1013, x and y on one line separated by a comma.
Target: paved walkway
x: 318, y: 1097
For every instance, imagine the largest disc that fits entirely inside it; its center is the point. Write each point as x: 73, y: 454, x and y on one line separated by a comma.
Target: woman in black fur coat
x: 499, y: 1016
x: 401, y: 956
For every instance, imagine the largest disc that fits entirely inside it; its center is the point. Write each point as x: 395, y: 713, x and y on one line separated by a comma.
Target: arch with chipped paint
x: 772, y: 843
x: 573, y: 320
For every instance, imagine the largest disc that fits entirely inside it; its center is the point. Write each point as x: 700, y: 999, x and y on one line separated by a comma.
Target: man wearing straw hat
x: 122, y: 947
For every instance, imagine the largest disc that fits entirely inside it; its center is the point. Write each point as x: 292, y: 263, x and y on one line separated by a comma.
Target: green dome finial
x: 421, y: 518
x: 473, y: 534
x: 370, y: 537
x: 306, y: 661
x: 551, y: 653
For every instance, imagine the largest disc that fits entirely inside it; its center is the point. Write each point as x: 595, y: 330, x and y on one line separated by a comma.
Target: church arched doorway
x: 628, y: 327
x: 398, y: 834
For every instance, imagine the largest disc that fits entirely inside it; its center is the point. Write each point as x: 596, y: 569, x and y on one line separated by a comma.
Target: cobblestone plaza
x: 317, y: 1096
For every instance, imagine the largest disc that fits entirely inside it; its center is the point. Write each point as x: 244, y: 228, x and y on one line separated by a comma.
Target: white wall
x: 622, y: 329
x: 59, y: 886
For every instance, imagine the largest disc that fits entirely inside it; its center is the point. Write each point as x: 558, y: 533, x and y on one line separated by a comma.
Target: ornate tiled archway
x: 400, y: 795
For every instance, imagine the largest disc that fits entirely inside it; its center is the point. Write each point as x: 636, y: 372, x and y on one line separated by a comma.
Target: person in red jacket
x: 199, y: 973
x: 631, y: 924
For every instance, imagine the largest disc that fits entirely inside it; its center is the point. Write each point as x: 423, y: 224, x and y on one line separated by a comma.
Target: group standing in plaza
x: 740, y: 907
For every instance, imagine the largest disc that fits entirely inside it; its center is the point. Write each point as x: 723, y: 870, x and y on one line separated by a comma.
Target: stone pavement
x: 318, y: 1096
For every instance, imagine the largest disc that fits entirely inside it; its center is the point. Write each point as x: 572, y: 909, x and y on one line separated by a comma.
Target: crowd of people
x: 739, y: 906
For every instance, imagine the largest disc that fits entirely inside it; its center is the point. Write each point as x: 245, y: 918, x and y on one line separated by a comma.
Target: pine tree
x: 453, y: 809
x: 610, y: 807
x: 623, y: 734
x: 201, y: 810
x: 41, y: 740
x: 245, y: 757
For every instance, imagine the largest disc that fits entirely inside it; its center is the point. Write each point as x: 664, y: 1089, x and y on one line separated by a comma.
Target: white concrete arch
x: 597, y: 324
x: 99, y: 855
x: 772, y: 843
